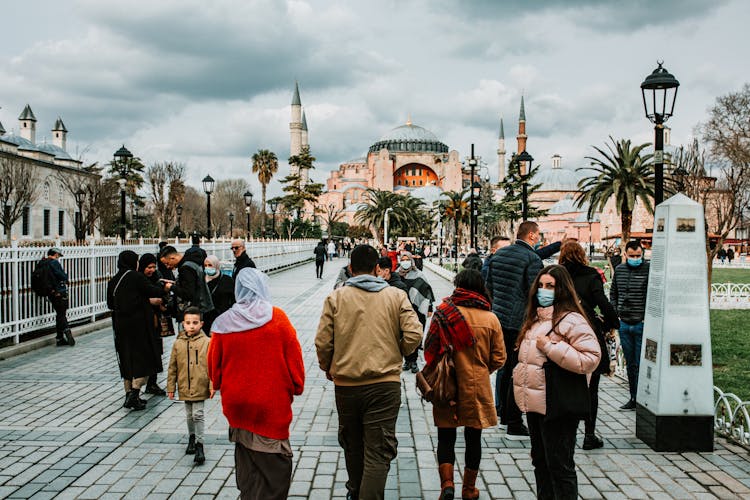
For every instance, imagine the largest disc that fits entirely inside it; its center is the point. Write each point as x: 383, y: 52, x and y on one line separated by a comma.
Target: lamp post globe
x: 231, y: 224
x: 248, y: 196
x: 659, y: 91
x: 179, y: 220
x: 208, y: 188
x: 121, y: 159
x: 274, y: 204
x: 525, y: 157
x: 476, y: 191
x: 79, y: 195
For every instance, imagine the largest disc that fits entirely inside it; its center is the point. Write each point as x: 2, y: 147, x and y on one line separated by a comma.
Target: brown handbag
x: 436, y: 383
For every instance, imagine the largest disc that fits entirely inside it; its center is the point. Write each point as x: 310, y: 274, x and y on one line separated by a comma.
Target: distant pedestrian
x: 421, y: 298
x: 730, y: 256
x: 555, y: 329
x: 147, y: 267
x: 496, y: 243
x: 465, y: 323
x: 188, y: 373
x: 365, y: 329
x: 628, y: 296
x: 511, y: 272
x: 221, y: 288
x: 138, y: 353
x: 58, y: 297
x: 331, y: 250
x: 722, y: 255
x: 242, y: 260
x: 320, y: 258
x: 255, y: 360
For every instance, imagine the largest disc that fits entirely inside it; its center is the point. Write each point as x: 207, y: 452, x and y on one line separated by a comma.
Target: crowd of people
x: 508, y: 313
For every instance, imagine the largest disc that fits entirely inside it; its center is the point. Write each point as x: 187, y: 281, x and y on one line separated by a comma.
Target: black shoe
x: 61, y: 342
x: 191, y: 445
x: 69, y: 337
x: 592, y: 441
x: 155, y: 390
x: 199, y: 456
x: 414, y: 367
x: 630, y: 405
x: 351, y: 496
x: 517, y: 431
x: 407, y: 366
x: 133, y: 401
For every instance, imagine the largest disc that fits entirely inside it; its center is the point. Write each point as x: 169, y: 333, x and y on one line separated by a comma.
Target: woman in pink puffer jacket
x: 572, y: 344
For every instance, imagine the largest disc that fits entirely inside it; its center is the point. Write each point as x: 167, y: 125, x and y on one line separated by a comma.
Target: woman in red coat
x: 255, y: 361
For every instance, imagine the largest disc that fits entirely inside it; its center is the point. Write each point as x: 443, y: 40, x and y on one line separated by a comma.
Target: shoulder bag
x: 567, y: 393
x: 437, y: 383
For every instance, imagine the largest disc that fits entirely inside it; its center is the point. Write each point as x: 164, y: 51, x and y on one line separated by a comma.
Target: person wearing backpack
x: 50, y: 280
x: 190, y: 288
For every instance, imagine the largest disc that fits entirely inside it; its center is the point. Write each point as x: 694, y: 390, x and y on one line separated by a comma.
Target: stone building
x: 53, y: 213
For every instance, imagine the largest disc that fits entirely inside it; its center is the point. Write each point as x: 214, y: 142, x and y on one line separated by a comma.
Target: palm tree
x: 624, y: 172
x: 456, y: 208
x: 372, y: 212
x: 265, y: 164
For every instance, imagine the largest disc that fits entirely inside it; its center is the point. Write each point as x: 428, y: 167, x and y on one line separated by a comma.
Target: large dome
x: 410, y: 137
x: 557, y: 179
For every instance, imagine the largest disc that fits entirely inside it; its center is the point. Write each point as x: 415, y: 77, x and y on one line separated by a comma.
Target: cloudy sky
x: 209, y: 83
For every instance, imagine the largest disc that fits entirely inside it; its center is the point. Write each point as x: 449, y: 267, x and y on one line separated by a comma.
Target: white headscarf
x: 253, y: 308
x: 214, y: 260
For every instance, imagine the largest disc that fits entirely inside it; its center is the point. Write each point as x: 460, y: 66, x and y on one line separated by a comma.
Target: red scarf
x: 449, y: 327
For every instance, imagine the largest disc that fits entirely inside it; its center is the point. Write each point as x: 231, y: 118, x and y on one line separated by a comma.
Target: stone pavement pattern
x: 64, y: 433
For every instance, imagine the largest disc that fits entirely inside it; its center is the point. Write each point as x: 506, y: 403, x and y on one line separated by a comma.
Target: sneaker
x: 414, y: 367
x: 69, y: 337
x: 630, y: 405
x: 407, y: 366
x: 61, y: 342
x: 517, y: 431
x: 592, y: 441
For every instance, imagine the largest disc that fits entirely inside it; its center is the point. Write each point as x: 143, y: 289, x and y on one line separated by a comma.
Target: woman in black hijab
x: 147, y: 266
x: 132, y: 319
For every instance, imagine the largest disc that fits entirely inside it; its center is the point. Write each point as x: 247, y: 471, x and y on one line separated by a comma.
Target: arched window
x: 46, y: 191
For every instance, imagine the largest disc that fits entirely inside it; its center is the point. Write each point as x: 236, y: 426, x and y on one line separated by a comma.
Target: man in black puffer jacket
x: 628, y: 297
x: 190, y: 289
x: 511, y: 272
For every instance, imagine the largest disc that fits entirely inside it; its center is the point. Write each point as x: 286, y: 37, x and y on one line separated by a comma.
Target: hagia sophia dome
x: 410, y: 138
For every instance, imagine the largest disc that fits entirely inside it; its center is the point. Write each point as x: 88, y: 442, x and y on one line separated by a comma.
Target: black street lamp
x: 476, y: 190
x: 122, y: 157
x: 231, y: 224
x: 179, y: 220
x: 472, y: 222
x: 79, y: 196
x: 208, y: 188
x: 525, y: 157
x: 274, y: 204
x: 441, y: 211
x: 661, y: 87
x: 591, y: 244
x: 248, y: 196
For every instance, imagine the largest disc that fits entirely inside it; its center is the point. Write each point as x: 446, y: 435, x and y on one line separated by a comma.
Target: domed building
x: 556, y: 184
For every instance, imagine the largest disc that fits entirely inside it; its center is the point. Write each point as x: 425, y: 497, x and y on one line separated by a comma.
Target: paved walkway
x: 63, y: 433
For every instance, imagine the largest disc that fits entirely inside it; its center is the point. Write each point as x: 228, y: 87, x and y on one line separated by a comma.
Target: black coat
x: 511, y: 272
x: 222, y: 293
x: 137, y: 344
x: 320, y: 252
x: 242, y: 262
x: 628, y: 292
x: 397, y: 282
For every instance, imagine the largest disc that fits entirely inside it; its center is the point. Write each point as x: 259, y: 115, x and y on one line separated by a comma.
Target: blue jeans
x: 631, y: 337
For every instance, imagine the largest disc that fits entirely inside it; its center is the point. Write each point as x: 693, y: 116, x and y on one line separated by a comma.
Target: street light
x: 248, y: 196
x: 525, y: 157
x: 472, y: 222
x: 661, y: 87
x: 79, y: 196
x: 591, y: 244
x: 441, y: 211
x: 385, y: 226
x: 274, y: 204
x: 179, y: 220
x: 476, y: 190
x: 122, y: 157
x: 231, y: 224
x: 208, y: 188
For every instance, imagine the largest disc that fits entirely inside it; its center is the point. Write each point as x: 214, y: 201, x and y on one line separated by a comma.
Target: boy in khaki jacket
x: 188, y: 370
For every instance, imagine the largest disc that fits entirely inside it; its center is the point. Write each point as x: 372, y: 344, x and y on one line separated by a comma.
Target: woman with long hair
x: 590, y: 289
x: 465, y: 322
x: 555, y: 329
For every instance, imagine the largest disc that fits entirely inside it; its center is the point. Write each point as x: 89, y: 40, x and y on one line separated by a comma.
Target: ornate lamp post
x: 274, y: 204
x: 231, y: 224
x: 659, y: 91
x: 476, y: 190
x: 385, y: 226
x: 472, y: 221
x: 208, y: 188
x: 179, y: 220
x: 248, y: 196
x: 79, y: 196
x: 591, y: 244
x: 441, y: 211
x: 122, y: 157
x: 525, y: 157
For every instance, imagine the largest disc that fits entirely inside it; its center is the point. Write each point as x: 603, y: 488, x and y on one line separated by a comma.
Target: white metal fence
x: 90, y: 267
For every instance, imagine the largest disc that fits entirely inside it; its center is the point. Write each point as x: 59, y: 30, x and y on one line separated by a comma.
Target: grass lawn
x: 724, y: 275
x: 731, y: 351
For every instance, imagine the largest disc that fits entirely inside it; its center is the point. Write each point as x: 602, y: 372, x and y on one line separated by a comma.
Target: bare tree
x: 228, y: 197
x: 331, y: 215
x: 166, y: 190
x: 93, y: 189
x: 18, y: 190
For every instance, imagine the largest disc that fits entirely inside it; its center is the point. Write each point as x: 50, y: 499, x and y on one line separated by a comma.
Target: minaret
x: 295, y: 126
x: 304, y: 142
x: 2, y: 130
x: 59, y: 134
x: 501, y: 152
x: 27, y: 123
x: 521, y: 138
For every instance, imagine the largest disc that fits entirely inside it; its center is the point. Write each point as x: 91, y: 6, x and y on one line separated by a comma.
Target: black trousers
x: 510, y: 414
x: 412, y: 358
x: 367, y: 433
x: 262, y: 476
x: 319, y: 268
x: 552, y: 448
x: 590, y: 423
x: 446, y: 451
x: 60, y: 305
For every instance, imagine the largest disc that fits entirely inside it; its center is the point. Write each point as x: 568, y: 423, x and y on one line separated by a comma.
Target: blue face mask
x: 545, y: 297
x: 635, y: 262
x: 537, y: 245
x: 211, y: 271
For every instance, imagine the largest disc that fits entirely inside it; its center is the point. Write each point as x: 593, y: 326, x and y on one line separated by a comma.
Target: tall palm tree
x: 456, y: 208
x: 622, y: 172
x: 372, y: 212
x: 265, y: 164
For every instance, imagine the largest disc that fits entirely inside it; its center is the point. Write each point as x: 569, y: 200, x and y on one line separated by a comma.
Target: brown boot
x: 447, y: 488
x: 468, y: 491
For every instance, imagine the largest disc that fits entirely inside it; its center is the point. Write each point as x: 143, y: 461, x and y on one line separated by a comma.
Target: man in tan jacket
x: 365, y: 329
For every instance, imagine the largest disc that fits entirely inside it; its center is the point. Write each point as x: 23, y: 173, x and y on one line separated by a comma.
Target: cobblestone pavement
x: 64, y: 433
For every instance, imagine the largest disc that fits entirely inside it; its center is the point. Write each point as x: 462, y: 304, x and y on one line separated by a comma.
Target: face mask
x: 545, y: 297
x: 537, y: 245
x: 211, y: 271
x: 406, y: 265
x: 635, y: 262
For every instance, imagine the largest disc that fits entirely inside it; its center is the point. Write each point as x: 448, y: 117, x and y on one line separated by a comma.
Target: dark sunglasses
x: 235, y: 248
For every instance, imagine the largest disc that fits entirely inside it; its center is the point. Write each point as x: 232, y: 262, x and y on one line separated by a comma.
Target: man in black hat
x: 58, y: 297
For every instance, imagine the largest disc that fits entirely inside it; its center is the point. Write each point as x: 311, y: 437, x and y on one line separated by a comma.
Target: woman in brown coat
x: 465, y: 321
